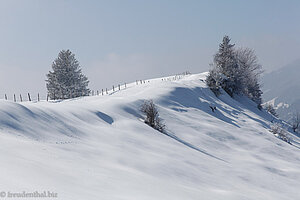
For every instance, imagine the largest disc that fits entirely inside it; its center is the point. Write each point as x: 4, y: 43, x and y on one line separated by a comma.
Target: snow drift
x: 99, y: 148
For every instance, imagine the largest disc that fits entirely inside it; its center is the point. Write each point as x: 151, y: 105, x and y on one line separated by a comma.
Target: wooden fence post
x: 21, y: 98
x: 38, y: 96
x: 119, y: 87
x: 106, y: 91
x: 102, y: 92
x: 5, y: 97
x: 14, y: 97
x: 125, y: 85
x: 47, y: 97
x: 97, y: 93
x: 29, y: 97
x: 113, y: 88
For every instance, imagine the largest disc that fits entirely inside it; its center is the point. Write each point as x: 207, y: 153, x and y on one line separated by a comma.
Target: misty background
x: 121, y: 41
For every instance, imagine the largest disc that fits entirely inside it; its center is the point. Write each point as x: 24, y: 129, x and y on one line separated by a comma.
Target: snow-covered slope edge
x: 98, y: 148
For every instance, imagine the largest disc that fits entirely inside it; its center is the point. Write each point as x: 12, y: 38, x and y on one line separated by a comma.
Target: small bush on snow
x: 280, y: 133
x: 152, y: 116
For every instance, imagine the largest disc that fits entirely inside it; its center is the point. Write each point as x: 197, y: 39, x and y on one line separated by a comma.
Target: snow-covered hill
x: 282, y: 89
x: 99, y: 148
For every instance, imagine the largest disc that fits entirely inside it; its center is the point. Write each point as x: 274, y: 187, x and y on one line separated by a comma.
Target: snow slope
x: 99, y: 148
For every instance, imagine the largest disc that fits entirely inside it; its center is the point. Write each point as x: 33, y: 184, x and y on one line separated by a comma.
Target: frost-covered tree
x: 213, y: 81
x: 250, y: 70
x: 236, y: 71
x: 66, y: 80
x: 225, y: 72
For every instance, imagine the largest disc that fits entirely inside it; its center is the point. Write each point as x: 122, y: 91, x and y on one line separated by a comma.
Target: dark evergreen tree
x: 226, y: 73
x: 66, y: 80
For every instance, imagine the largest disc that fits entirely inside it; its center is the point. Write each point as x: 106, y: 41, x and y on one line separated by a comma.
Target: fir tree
x: 66, y: 80
x: 226, y: 64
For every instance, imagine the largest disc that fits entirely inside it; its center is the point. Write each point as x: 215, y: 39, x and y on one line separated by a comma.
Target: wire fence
x: 29, y: 97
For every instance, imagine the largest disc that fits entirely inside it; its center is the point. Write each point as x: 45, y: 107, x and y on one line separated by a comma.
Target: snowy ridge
x: 98, y: 148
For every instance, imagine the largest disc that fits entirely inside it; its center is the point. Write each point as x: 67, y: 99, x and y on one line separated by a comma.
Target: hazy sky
x: 121, y: 41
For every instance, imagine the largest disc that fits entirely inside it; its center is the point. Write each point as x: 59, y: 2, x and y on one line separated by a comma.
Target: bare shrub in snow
x: 280, y: 132
x: 271, y: 110
x: 152, y: 116
x: 296, y: 122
